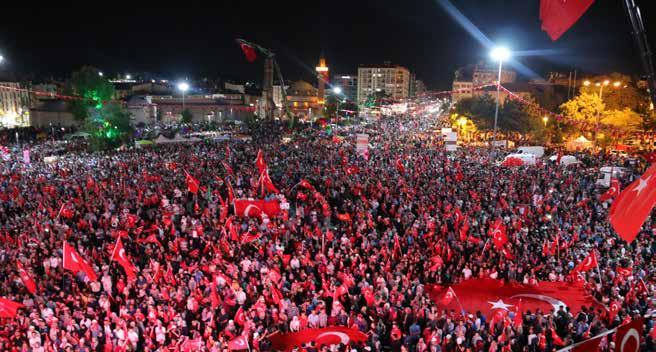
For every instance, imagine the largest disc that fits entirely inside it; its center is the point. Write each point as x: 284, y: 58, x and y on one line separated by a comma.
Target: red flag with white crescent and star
x: 627, y: 337
x: 119, y: 256
x: 589, y: 263
x: 488, y: 295
x: 612, y: 191
x: 26, y: 278
x: 239, y: 343
x: 249, y: 52
x: 632, y: 207
x: 74, y: 262
x: 332, y: 335
x: 259, y: 161
x: 448, y: 297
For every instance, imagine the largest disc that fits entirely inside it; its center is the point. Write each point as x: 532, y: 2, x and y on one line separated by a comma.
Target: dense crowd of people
x: 366, y: 226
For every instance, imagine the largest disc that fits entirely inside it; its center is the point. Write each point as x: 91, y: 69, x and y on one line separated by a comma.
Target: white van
x: 565, y: 160
x: 536, y: 150
x: 608, y: 172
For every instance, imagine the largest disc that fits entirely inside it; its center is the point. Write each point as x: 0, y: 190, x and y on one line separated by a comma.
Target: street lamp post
x: 338, y: 92
x: 498, y: 54
x: 183, y: 87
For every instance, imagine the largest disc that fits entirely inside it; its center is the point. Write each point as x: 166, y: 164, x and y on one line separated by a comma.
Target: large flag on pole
x: 558, y: 16
x: 632, y: 207
x: 25, y: 277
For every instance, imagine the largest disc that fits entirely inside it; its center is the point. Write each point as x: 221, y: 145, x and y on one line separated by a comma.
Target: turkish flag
x: 614, y: 308
x: 249, y: 237
x: 26, y: 279
x: 589, y: 263
x: 119, y: 256
x: 240, y: 317
x: 276, y: 296
x: 238, y: 344
x: 632, y: 207
x: 249, y: 52
x: 346, y: 217
x: 488, y: 295
x: 627, y: 337
x: 192, y: 345
x: 192, y: 183
x: 259, y: 161
x: 498, y: 233
x: 9, y: 309
x: 612, y: 191
x: 131, y: 220
x: 399, y: 166
x: 624, y: 271
x: 306, y: 184
x: 559, y: 15
x: 74, y: 262
x: 333, y: 335
x: 448, y: 297
x: 255, y: 208
x: 152, y: 238
x: 266, y: 183
x: 228, y: 168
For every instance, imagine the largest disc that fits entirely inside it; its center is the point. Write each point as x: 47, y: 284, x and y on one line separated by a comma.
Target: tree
x: 625, y: 120
x: 92, y: 88
x: 107, y: 122
x: 626, y: 95
x: 187, y: 116
x: 585, y: 108
x: 479, y: 109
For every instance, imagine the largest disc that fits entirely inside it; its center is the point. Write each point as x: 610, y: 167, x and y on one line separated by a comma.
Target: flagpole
x: 485, y: 245
x: 570, y: 347
x: 462, y: 310
x: 601, y: 282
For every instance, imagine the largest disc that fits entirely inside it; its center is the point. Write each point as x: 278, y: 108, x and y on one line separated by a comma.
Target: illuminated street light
x: 337, y: 90
x: 128, y: 76
x: 183, y: 87
x: 545, y: 120
x: 586, y: 83
x: 617, y: 84
x: 2, y: 58
x: 498, y: 54
x: 100, y: 73
x: 606, y: 82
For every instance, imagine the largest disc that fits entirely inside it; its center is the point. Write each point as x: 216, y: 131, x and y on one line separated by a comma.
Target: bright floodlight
x: 500, y: 54
x: 183, y: 86
x: 128, y: 77
x: 337, y: 90
x: 100, y: 73
x: 2, y: 58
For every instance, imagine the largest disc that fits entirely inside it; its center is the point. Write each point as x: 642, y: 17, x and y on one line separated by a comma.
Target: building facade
x: 349, y: 85
x: 14, y: 105
x: 394, y: 80
x: 467, y: 78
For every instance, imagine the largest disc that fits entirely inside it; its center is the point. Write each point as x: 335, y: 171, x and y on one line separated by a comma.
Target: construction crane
x: 266, y: 104
x: 640, y: 37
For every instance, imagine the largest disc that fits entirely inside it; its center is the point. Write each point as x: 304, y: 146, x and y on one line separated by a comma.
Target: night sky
x: 192, y: 40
